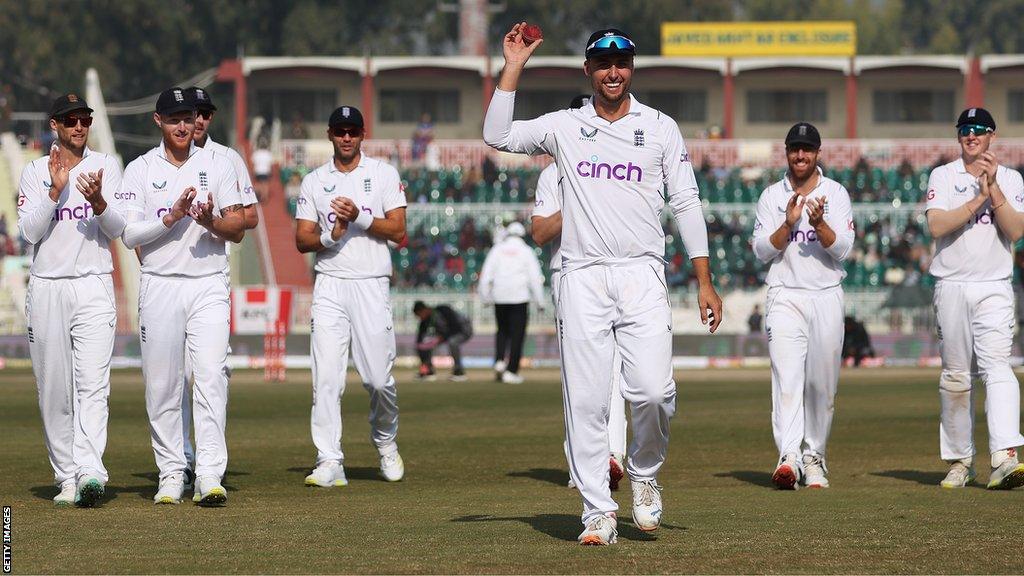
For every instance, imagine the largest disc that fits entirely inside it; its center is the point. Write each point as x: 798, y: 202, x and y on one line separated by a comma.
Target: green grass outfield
x: 485, y: 488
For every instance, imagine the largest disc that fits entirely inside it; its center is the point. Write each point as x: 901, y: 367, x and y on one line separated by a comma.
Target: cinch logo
x: 82, y: 212
x: 249, y: 191
x: 984, y: 218
x: 803, y: 237
x: 21, y: 200
x: 124, y: 195
x: 594, y: 169
x: 161, y: 211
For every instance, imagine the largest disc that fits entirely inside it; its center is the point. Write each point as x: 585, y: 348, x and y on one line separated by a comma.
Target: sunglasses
x: 339, y: 132
x: 205, y: 114
x: 72, y: 121
x: 975, y: 129
x: 619, y: 42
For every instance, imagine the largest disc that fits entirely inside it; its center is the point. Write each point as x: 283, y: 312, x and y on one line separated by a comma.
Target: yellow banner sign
x: 758, y: 39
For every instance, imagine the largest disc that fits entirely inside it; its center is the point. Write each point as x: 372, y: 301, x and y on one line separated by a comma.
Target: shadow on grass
x: 926, y: 478
x: 550, y: 475
x: 110, y: 493
x: 563, y: 526
x: 756, y: 477
x: 351, y: 472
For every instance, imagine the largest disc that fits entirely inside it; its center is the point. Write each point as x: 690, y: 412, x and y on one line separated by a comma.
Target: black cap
x: 346, y: 116
x: 174, y: 100
x: 617, y: 43
x: 579, y: 101
x: 417, y: 306
x: 803, y: 133
x: 67, y: 103
x: 200, y: 98
x: 978, y: 116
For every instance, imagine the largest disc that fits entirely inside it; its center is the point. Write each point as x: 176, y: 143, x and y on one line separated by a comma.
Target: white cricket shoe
x: 392, y: 467
x: 90, y: 490
x: 66, y: 497
x: 570, y: 484
x: 458, y: 378
x: 171, y: 489
x: 499, y: 369
x: 1007, y: 471
x: 616, y: 470
x: 209, y: 492
x: 815, y: 471
x: 511, y: 378
x: 646, y: 505
x: 787, y: 473
x: 960, y: 474
x: 327, y: 474
x: 600, y: 531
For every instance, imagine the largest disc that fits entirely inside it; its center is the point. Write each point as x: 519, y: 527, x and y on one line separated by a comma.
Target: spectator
x: 298, y: 129
x: 755, y: 319
x: 422, y: 136
x: 441, y: 325
x: 262, y: 168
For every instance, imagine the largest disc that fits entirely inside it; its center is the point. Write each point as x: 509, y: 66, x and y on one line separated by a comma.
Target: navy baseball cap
x: 976, y: 116
x: 200, y: 98
x: 803, y: 133
x: 346, y: 116
x: 174, y: 100
x: 609, y: 41
x: 579, y: 101
x: 66, y: 104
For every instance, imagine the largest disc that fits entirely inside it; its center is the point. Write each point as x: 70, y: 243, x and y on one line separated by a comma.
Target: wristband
x: 364, y: 220
x: 327, y: 240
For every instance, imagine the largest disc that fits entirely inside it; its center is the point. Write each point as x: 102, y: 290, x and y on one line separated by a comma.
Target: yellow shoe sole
x: 1012, y: 480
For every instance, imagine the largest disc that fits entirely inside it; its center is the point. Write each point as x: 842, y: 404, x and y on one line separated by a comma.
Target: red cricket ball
x: 532, y: 33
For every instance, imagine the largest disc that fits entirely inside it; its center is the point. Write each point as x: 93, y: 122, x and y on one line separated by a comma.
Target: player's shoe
x: 1009, y: 473
x: 600, y: 531
x: 67, y: 494
x: 327, y: 474
x: 787, y: 474
x: 426, y: 373
x: 646, y: 505
x: 815, y: 471
x: 570, y: 484
x: 190, y: 479
x: 392, y: 467
x: 499, y: 370
x: 959, y: 475
x: 460, y: 377
x: 171, y: 489
x: 616, y: 471
x: 511, y: 378
x: 209, y: 492
x: 90, y: 490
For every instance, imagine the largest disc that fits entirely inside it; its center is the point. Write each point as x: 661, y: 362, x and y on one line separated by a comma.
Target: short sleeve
x: 133, y: 189
x: 548, y: 200
x: 938, y: 190
x: 305, y: 208
x: 245, y: 187
x: 227, y: 193
x: 1015, y: 191
x: 112, y: 179
x: 392, y: 191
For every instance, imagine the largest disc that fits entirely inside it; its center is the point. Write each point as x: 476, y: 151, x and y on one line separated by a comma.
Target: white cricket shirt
x: 245, y: 187
x: 68, y: 239
x: 151, y: 186
x: 374, y: 186
x: 804, y: 262
x: 547, y: 203
x: 614, y: 178
x: 979, y: 251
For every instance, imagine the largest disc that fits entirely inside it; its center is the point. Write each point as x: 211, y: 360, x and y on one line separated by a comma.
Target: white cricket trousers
x: 603, y: 308
x: 181, y: 316
x: 71, y: 323
x: 805, y: 344
x: 975, y: 325
x: 616, y: 403
x: 352, y: 314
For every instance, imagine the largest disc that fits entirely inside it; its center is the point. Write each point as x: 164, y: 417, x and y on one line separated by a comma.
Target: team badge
x: 367, y: 186
x: 638, y: 138
x: 204, y: 182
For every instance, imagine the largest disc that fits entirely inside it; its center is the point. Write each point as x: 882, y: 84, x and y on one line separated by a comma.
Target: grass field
x: 485, y: 488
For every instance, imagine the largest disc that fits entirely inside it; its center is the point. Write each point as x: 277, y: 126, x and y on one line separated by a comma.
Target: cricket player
x: 183, y: 206
x: 617, y: 159
x: 205, y: 111
x: 510, y: 278
x: 804, y: 230
x: 546, y: 226
x: 348, y: 210
x: 974, y: 213
x: 69, y: 209
x: 441, y: 324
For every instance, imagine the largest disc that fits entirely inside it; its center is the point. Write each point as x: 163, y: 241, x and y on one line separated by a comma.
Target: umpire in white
x: 64, y: 213
x: 348, y: 210
x: 510, y: 278
x: 805, y: 230
x: 974, y: 213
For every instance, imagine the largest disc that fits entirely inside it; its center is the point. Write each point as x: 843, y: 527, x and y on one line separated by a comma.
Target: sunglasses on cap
x: 341, y: 132
x: 72, y: 121
x: 976, y: 129
x: 619, y: 42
